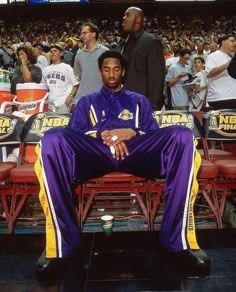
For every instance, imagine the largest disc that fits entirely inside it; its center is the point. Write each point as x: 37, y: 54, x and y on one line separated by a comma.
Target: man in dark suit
x: 144, y: 54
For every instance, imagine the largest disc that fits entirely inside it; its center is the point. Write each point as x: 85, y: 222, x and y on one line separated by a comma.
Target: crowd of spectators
x: 170, y: 29
x: 200, y: 34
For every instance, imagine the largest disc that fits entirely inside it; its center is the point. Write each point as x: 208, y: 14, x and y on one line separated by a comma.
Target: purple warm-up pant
x: 65, y: 156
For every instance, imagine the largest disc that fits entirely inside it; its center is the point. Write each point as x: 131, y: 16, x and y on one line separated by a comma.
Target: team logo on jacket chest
x: 126, y: 115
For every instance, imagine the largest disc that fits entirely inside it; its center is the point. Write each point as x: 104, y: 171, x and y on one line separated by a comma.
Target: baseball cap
x: 56, y: 46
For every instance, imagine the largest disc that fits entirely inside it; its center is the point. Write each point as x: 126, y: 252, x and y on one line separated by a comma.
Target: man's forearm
x: 218, y: 70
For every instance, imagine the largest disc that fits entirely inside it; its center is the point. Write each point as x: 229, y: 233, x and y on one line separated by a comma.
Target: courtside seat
x: 207, y: 177
x: 23, y: 177
x: 217, y: 153
x: 25, y: 171
x: 208, y: 171
x: 10, y: 135
x: 221, y: 126
x: 5, y: 189
x: 227, y: 168
x: 5, y: 168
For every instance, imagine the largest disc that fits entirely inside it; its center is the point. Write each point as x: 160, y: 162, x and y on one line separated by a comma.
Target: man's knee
x: 55, y: 135
x: 182, y: 134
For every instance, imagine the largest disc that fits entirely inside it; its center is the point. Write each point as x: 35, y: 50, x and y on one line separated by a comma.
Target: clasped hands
x: 115, y: 139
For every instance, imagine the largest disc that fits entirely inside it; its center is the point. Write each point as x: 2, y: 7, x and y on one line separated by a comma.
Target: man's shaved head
x: 133, y: 19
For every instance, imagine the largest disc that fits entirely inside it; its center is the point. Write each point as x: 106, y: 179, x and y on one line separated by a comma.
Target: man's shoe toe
x: 45, y: 265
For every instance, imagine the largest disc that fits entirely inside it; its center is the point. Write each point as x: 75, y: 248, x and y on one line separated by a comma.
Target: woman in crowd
x: 26, y: 70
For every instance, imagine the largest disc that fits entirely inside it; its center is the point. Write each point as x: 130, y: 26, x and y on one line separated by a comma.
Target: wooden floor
x: 126, y: 261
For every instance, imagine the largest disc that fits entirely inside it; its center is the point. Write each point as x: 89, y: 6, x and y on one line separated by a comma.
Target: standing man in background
x: 86, y: 61
x: 144, y: 54
x: 176, y: 77
x: 42, y: 61
x: 221, y: 86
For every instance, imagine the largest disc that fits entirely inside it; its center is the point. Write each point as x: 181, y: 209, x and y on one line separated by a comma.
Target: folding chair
x: 113, y: 192
x: 221, y: 151
x: 207, y: 174
x: 10, y: 134
x: 25, y: 182
x: 221, y: 126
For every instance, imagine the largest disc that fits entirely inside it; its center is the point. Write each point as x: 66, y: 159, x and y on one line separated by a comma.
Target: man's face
x: 87, y: 35
x: 112, y: 73
x: 129, y: 20
x: 176, y: 48
x: 200, y: 48
x: 229, y: 44
x: 184, y: 59
x: 206, y: 47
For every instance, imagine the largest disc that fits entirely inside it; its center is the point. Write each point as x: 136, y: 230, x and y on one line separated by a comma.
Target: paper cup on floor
x: 107, y: 223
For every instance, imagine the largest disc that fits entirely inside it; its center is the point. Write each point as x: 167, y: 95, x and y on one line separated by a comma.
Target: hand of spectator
x: 23, y: 60
x: 182, y: 74
x: 69, y: 99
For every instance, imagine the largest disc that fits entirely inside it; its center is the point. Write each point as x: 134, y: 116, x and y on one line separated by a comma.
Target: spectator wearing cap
x: 60, y: 80
x: 221, y: 86
x: 42, y: 61
x: 207, y: 49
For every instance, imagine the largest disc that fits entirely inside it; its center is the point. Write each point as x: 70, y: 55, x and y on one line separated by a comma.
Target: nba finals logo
x: 6, y: 126
x: 223, y: 123
x: 44, y: 122
x: 167, y: 119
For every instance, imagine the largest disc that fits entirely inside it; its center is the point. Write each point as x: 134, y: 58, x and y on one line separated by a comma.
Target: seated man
x: 114, y: 130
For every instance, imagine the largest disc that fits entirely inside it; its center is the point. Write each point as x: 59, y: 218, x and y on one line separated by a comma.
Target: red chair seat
x: 217, y: 153
x: 208, y: 170
x: 5, y: 169
x: 227, y: 167
x: 118, y: 177
x: 24, y: 173
x: 108, y: 188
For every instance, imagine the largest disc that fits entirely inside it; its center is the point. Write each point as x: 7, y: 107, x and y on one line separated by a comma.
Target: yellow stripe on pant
x: 191, y: 231
x: 51, y: 244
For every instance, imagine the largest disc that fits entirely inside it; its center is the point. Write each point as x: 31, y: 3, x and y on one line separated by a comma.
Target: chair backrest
x: 10, y: 129
x: 37, y: 125
x: 35, y: 128
x: 220, y: 125
x: 183, y: 118
x: 10, y: 133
